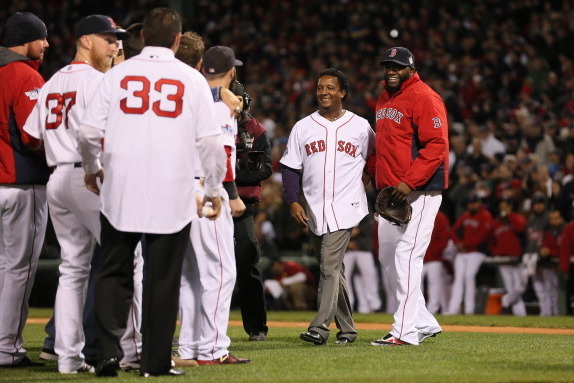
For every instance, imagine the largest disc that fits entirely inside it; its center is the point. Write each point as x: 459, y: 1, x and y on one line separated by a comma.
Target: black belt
x: 76, y: 165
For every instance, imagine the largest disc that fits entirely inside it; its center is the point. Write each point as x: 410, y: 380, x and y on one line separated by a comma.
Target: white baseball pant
x: 75, y: 215
x: 361, y: 273
x: 515, y: 285
x: 545, y: 283
x: 435, y: 274
x: 207, y: 283
x: 23, y: 220
x: 401, y: 251
x: 131, y: 341
x: 466, y: 266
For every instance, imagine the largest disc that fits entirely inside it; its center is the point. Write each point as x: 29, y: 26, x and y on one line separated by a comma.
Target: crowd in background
x: 505, y: 70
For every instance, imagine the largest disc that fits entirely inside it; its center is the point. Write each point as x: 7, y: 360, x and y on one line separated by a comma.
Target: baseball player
x: 327, y: 150
x: 155, y: 113
x: 412, y: 155
x: 73, y: 209
x: 471, y: 232
x: 506, y: 240
x: 208, y: 273
x: 23, y: 176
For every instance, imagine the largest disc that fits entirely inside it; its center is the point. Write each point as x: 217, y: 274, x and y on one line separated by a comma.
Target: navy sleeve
x: 291, y: 184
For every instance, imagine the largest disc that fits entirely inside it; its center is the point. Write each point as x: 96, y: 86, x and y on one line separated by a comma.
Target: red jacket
x: 567, y: 247
x: 439, y: 239
x: 20, y: 85
x: 412, y: 138
x: 473, y: 230
x: 552, y: 238
x: 506, y: 233
x: 291, y: 268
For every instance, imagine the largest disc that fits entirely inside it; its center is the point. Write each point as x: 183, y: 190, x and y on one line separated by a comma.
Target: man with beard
x: 412, y: 155
x: 326, y: 154
x: 23, y: 176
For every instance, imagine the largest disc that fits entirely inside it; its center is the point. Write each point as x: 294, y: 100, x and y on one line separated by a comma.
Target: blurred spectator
x: 360, y: 270
x: 291, y: 285
x: 506, y: 241
x: 566, y: 253
x: 470, y: 233
x: 545, y: 280
x: 437, y: 277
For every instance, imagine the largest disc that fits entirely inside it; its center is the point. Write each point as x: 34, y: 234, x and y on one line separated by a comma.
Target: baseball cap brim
x: 394, y: 61
x: 121, y: 34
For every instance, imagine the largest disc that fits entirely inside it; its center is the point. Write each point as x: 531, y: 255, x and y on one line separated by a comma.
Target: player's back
x: 60, y: 108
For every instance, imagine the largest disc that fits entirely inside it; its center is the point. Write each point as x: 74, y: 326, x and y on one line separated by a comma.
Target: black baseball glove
x: 397, y: 212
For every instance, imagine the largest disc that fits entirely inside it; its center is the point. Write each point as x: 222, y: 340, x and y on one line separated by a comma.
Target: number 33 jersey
x: 151, y: 109
x: 59, y: 110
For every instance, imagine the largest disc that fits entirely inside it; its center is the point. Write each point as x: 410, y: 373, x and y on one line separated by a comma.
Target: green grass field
x: 450, y: 357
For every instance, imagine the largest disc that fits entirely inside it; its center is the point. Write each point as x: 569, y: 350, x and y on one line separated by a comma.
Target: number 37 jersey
x: 59, y: 110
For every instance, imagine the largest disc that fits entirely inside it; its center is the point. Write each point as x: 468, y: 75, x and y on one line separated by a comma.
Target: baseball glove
x: 397, y: 213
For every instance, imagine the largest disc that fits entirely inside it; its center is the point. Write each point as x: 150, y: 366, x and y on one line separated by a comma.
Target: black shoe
x: 258, y: 336
x: 312, y: 337
x: 48, y: 354
x: 108, y: 367
x: 171, y: 372
x: 25, y: 362
x: 344, y: 340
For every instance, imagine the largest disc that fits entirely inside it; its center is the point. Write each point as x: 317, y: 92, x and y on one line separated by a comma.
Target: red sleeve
x: 430, y: 118
x: 482, y: 233
x: 24, y: 101
x: 229, y: 174
x: 517, y: 222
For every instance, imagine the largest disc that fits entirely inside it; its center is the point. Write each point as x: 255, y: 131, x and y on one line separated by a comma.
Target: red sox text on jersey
x: 320, y: 146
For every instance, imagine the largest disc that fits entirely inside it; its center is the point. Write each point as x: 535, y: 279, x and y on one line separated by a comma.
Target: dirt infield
x: 387, y: 326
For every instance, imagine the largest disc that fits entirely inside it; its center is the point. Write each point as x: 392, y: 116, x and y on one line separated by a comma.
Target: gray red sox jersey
x: 153, y: 111
x: 59, y: 109
x: 331, y: 156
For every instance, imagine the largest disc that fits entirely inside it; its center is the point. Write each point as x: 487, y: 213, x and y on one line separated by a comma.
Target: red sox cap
x: 219, y: 59
x: 399, y: 55
x: 99, y: 24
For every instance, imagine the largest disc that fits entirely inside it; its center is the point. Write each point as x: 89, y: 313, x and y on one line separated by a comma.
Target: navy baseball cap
x: 22, y: 28
x: 399, y: 55
x: 99, y: 24
x: 219, y: 59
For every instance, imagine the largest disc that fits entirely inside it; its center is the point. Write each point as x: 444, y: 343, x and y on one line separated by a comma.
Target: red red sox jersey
x: 331, y: 156
x: 151, y: 110
x: 61, y: 105
x: 412, y: 138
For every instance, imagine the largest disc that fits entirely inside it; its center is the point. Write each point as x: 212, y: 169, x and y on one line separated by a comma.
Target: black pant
x: 249, y: 282
x: 114, y: 291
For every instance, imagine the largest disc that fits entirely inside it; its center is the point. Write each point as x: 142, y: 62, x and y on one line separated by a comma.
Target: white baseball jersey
x: 228, y: 125
x: 152, y: 110
x: 60, y: 107
x: 331, y: 156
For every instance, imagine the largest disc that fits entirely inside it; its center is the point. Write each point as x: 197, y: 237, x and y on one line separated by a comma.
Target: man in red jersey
x: 412, y: 155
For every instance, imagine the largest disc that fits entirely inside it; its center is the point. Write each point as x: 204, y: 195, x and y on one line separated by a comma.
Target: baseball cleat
x: 170, y: 372
x: 83, y: 368
x: 24, y: 362
x: 108, y: 367
x: 389, y: 340
x: 260, y: 336
x: 129, y: 366
x: 48, y: 354
x: 225, y: 359
x: 312, y: 337
x: 179, y: 362
x: 423, y: 336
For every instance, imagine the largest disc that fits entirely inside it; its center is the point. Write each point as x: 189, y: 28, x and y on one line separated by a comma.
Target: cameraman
x: 253, y: 166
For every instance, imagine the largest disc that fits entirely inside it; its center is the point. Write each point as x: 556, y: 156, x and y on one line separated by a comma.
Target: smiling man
x: 412, y: 155
x: 328, y: 150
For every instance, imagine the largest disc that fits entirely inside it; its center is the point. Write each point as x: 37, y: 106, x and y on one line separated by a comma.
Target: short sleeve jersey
x: 60, y: 108
x: 153, y: 109
x: 331, y: 156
